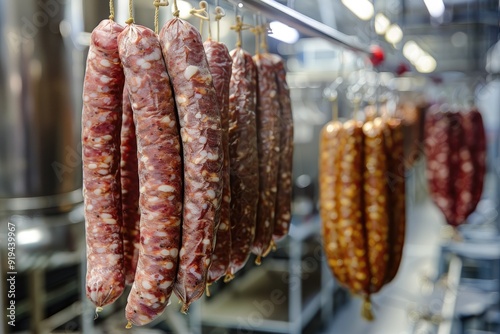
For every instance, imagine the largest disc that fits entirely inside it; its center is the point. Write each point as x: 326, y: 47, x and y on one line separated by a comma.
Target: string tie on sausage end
x: 97, y: 310
x: 185, y: 308
x: 258, y: 260
x: 207, y: 289
x: 228, y: 278
x: 366, y: 309
x: 129, y: 325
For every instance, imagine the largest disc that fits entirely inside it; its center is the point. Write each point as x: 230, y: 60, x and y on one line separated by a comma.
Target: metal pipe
x: 304, y: 24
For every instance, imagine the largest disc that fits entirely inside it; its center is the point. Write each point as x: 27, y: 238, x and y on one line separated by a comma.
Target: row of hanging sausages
x: 187, y: 159
x: 362, y: 202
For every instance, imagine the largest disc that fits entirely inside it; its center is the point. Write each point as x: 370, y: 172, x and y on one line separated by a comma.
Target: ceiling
x: 475, y: 21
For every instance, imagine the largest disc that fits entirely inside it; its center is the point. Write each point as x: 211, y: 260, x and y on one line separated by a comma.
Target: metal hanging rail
x: 303, y: 23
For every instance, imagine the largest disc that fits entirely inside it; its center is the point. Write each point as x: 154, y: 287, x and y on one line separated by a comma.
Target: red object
x: 377, y: 55
x: 402, y: 69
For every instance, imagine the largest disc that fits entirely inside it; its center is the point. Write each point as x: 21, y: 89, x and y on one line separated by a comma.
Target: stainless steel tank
x: 41, y: 73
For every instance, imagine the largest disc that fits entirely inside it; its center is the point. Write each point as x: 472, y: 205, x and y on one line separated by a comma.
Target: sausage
x: 438, y: 151
x: 268, y: 144
x: 220, y: 64
x: 284, y: 194
x: 101, y: 123
x: 462, y: 169
x: 351, y: 215
x: 396, y: 199
x: 375, y: 202
x: 201, y: 133
x: 160, y: 173
x: 244, y: 159
x: 130, y: 190
x: 332, y: 138
x: 475, y: 137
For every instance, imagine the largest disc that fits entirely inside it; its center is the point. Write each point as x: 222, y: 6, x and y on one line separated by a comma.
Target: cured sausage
x: 244, y: 159
x: 160, y: 173
x: 284, y: 194
x: 375, y: 202
x: 130, y: 190
x: 201, y: 133
x: 220, y: 63
x: 101, y: 123
x: 438, y: 152
x: 396, y: 199
x: 268, y: 144
x: 331, y: 139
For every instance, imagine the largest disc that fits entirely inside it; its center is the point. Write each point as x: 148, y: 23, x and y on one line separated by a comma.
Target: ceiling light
x: 382, y: 23
x: 412, y: 51
x: 283, y: 32
x: 426, y: 64
x: 184, y: 9
x: 435, y: 7
x: 394, y: 34
x: 361, y: 8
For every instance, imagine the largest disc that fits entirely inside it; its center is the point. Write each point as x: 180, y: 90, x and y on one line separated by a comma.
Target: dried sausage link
x: 268, y: 143
x: 375, y: 201
x: 201, y: 132
x: 244, y: 160
x: 284, y: 194
x: 130, y: 190
x: 101, y: 123
x: 220, y: 63
x: 396, y: 200
x: 332, y: 135
x: 351, y: 216
x: 160, y: 173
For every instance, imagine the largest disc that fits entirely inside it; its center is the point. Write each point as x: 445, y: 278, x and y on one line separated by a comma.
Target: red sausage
x: 130, y: 190
x: 201, y: 132
x: 101, y: 123
x: 268, y: 143
x: 244, y: 159
x: 284, y: 195
x: 220, y: 64
x: 160, y: 173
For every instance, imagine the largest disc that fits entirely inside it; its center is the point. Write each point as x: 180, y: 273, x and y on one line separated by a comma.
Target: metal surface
x: 39, y: 117
x: 304, y: 24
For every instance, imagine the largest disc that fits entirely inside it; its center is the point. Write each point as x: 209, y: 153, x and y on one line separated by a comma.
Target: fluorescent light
x: 382, y: 23
x: 426, y: 64
x: 184, y: 9
x: 283, y: 32
x: 423, y: 62
x: 361, y: 8
x: 394, y: 34
x: 30, y: 236
x: 412, y: 51
x: 435, y: 7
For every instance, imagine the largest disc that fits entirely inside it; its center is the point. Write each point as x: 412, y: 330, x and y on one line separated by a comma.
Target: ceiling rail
x: 303, y: 23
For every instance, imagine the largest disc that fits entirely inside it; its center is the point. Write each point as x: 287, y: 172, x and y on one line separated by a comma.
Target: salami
x: 201, y: 133
x: 268, y: 144
x: 284, y: 194
x: 220, y: 64
x: 160, y: 173
x: 130, y: 190
x: 396, y: 199
x: 101, y: 123
x: 331, y: 139
x: 244, y: 159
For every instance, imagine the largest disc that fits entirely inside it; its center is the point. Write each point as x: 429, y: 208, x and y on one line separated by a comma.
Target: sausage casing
x: 201, y: 133
x: 101, y: 124
x: 160, y: 173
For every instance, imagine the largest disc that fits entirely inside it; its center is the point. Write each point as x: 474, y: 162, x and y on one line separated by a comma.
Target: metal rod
x: 304, y: 24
